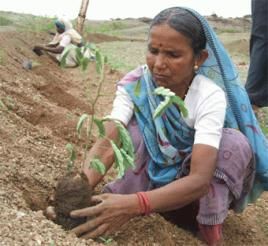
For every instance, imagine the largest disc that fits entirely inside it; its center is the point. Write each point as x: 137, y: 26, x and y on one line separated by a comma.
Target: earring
x: 196, y: 67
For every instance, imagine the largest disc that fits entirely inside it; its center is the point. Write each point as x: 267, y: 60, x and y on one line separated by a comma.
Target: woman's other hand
x: 110, y: 213
x: 38, y: 50
x: 39, y: 47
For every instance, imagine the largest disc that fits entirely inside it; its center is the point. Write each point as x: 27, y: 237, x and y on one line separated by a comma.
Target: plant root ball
x: 72, y: 192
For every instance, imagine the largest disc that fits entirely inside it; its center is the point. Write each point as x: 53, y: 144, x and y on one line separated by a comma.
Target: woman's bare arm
x: 190, y: 188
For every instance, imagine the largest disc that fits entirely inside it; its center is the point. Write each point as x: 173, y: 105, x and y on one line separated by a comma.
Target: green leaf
x: 100, y: 125
x: 170, y: 98
x: 124, y: 157
x: 69, y: 147
x: 165, y: 92
x: 81, y: 122
x: 84, y: 63
x: 105, y: 59
x: 125, y: 138
x: 106, y: 240
x: 99, y: 62
x: 72, y: 156
x: 90, y: 46
x: 98, y: 166
x: 63, y: 59
x: 78, y: 55
x: 178, y: 101
x: 119, y: 160
x: 162, y: 107
x: 128, y: 160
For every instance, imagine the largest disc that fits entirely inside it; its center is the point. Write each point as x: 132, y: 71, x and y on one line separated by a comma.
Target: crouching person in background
x: 64, y: 45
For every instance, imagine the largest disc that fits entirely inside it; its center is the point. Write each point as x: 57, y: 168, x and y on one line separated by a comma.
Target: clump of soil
x: 72, y: 192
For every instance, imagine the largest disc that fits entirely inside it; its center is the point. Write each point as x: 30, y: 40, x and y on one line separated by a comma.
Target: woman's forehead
x: 164, y: 30
x: 164, y: 34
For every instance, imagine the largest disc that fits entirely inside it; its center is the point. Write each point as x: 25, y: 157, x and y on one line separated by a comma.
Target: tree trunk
x: 82, y: 16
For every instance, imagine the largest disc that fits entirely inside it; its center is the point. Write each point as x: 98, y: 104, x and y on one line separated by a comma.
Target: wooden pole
x: 82, y: 16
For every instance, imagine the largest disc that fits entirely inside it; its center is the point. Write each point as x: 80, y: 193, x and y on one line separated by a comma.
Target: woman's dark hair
x: 184, y: 22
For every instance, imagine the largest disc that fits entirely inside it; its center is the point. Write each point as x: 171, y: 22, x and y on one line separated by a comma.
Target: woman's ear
x: 203, y: 55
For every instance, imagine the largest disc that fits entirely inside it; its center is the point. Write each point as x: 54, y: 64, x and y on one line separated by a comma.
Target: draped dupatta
x: 168, y: 139
x: 220, y: 68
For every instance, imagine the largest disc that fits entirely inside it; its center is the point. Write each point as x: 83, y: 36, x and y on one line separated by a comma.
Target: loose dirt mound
x: 39, y: 109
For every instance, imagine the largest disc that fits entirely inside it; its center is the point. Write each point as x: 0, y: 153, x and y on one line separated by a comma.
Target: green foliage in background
x: 124, y: 55
x: 38, y: 24
x: 106, y: 27
x: 5, y: 21
x: 125, y: 28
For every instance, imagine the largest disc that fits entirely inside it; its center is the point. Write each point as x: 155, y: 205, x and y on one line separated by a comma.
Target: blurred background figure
x: 64, y: 44
x: 257, y: 81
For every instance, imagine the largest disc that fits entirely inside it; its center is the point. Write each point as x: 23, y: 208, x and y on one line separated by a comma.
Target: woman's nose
x: 160, y: 61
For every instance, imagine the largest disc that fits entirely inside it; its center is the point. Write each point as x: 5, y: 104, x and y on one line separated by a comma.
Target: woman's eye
x: 173, y: 54
x: 152, y: 50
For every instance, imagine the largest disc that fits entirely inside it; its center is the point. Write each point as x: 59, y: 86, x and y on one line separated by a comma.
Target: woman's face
x: 170, y: 58
x: 60, y: 30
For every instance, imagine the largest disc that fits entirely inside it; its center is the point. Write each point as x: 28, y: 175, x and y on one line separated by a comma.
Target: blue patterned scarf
x: 168, y: 138
x: 220, y: 68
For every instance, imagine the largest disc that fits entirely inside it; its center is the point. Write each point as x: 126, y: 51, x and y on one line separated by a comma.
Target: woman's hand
x: 111, y: 212
x: 39, y: 47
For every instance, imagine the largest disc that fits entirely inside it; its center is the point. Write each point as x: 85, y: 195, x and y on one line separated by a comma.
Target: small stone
x: 50, y: 213
x: 20, y: 214
x: 27, y: 64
